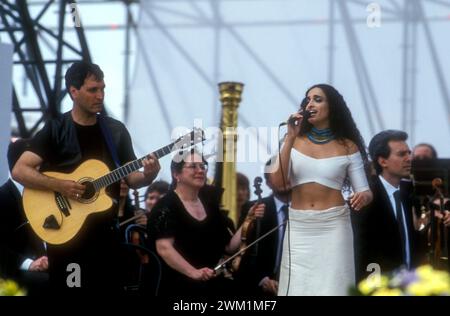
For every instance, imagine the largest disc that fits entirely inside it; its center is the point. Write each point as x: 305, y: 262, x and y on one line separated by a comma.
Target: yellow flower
x: 431, y: 282
x: 370, y: 284
x: 419, y: 289
x: 440, y: 287
x: 387, y: 292
x: 10, y: 288
x: 425, y: 272
x: 424, y: 281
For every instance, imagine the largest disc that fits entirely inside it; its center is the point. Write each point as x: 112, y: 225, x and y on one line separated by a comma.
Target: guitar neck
x: 130, y: 167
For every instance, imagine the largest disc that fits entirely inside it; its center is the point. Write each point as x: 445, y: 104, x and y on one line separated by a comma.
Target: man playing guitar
x: 61, y: 145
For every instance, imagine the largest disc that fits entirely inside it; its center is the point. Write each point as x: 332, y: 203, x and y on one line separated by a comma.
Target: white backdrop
x: 278, y: 48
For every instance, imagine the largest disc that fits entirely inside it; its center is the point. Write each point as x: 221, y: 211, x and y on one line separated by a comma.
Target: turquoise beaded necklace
x: 320, y: 136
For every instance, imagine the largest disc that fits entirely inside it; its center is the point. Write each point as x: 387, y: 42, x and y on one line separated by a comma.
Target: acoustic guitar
x: 57, y: 219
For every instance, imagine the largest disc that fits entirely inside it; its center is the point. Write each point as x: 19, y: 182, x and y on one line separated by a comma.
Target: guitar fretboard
x: 130, y: 167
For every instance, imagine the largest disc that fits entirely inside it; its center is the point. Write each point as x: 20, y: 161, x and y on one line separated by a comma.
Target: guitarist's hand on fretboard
x: 151, y: 167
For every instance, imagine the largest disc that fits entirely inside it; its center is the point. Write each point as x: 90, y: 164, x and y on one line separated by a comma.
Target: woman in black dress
x: 189, y: 232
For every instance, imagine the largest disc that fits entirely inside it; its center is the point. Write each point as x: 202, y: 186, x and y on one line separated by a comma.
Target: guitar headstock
x: 192, y: 138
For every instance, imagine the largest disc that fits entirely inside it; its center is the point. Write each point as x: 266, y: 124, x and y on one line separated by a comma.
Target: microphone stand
x: 432, y: 231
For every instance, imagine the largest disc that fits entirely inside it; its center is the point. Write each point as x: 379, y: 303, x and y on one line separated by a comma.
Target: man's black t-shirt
x: 93, y: 146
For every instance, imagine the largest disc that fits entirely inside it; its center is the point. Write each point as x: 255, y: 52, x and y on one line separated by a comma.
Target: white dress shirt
x: 25, y: 266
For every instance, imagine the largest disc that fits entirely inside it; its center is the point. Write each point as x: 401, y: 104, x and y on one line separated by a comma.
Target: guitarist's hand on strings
x: 71, y: 189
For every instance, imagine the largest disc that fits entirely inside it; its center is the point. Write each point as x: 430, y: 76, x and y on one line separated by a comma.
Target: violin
x: 257, y: 185
x: 137, y: 210
x: 247, y: 227
x: 243, y: 245
x: 438, y: 230
x: 135, y: 237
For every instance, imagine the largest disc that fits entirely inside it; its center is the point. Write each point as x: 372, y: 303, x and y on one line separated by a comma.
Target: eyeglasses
x: 200, y: 165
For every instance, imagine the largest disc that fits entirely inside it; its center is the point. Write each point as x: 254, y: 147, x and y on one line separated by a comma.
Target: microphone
x: 294, y: 121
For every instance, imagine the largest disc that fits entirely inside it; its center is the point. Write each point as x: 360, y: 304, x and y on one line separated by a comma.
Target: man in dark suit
x: 384, y: 231
x: 22, y: 253
x: 258, y: 273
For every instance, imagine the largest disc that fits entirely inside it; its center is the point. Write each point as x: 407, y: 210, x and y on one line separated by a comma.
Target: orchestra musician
x: 385, y: 231
x: 189, y: 232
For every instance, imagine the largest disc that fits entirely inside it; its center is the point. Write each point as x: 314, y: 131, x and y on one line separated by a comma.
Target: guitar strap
x: 113, y: 150
x: 109, y: 141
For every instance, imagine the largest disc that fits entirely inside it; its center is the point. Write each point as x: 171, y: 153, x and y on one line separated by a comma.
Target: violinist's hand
x: 257, y: 210
x: 294, y: 129
x: 203, y: 274
x: 141, y: 220
x: 40, y: 264
x: 269, y: 286
x: 445, y: 217
x: 360, y: 199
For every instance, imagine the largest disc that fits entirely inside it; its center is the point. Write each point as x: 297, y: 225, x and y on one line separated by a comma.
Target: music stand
x: 424, y: 171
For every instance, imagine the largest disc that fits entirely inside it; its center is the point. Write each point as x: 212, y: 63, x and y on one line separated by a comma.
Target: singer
x: 322, y: 155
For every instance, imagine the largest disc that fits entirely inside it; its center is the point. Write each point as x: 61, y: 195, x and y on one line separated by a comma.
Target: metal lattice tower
x: 42, y: 53
x: 43, y: 49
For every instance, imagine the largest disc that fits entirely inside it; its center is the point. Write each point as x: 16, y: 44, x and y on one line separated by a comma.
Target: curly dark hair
x: 341, y: 121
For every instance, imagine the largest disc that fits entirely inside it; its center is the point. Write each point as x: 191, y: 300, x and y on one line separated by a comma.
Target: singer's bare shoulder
x: 350, y: 146
x: 300, y: 141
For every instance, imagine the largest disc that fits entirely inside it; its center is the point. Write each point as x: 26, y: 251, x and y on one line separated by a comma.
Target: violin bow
x: 222, y: 264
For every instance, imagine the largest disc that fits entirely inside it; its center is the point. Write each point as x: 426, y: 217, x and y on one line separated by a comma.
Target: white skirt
x: 318, y: 254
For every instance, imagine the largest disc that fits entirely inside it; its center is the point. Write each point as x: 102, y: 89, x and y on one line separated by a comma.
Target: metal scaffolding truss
x: 42, y: 53
x: 409, y: 15
x: 29, y: 35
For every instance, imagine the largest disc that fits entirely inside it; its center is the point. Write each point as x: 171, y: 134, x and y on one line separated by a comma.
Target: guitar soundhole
x: 89, y: 193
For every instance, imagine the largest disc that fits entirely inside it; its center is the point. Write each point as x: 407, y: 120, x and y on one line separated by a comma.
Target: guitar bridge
x: 63, y: 204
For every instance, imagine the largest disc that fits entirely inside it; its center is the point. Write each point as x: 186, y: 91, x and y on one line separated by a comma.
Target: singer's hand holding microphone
x: 294, y: 122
